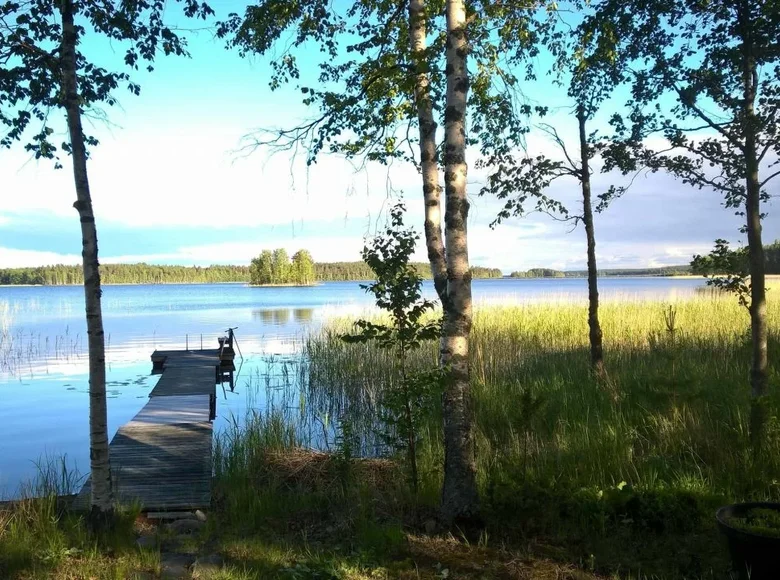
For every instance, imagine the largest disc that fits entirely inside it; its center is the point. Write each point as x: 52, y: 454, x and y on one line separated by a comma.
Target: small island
x: 276, y: 269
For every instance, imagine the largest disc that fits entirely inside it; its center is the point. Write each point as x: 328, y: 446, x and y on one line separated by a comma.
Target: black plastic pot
x: 754, y: 557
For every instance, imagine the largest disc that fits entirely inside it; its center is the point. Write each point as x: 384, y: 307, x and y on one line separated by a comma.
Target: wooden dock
x: 162, y: 457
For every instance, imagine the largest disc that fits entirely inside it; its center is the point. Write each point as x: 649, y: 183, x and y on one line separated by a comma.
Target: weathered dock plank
x: 174, y: 409
x: 190, y: 380
x: 160, y: 466
x: 171, y: 358
x: 162, y: 457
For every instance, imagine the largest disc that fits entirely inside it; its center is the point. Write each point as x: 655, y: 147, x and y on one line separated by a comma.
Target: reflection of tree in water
x: 303, y: 315
x: 281, y: 316
x: 272, y: 316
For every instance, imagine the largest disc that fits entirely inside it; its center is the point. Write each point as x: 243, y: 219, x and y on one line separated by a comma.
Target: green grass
x: 761, y: 521
x: 283, y: 511
x: 40, y: 538
x: 579, y: 479
x: 597, y: 466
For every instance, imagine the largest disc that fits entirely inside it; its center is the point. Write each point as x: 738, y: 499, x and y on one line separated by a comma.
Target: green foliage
x: 772, y: 255
x: 29, y: 47
x: 40, y: 538
x: 125, y: 274
x: 270, y: 268
x: 398, y: 291
x: 590, y: 74
x: 687, y: 433
x: 61, y: 274
x: 362, y: 86
x: 538, y: 273
x: 303, y: 267
x: 692, y: 83
x: 726, y: 269
x: 678, y: 436
x: 261, y: 268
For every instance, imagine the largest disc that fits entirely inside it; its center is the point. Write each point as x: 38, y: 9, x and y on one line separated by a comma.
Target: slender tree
x: 594, y: 327
x: 521, y: 180
x: 43, y: 70
x: 429, y: 156
x: 398, y: 291
x: 706, y: 77
x: 102, y: 496
x: 459, y: 496
x: 385, y: 83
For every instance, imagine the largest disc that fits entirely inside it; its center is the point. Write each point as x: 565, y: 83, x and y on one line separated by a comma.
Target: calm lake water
x: 43, y: 379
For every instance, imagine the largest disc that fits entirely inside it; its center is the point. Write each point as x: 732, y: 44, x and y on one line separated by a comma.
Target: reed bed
x: 22, y: 350
x: 673, y: 415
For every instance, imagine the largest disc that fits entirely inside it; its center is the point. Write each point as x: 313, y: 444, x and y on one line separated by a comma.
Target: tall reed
x: 674, y: 417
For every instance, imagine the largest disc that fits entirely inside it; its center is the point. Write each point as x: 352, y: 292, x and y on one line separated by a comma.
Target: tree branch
x: 707, y: 119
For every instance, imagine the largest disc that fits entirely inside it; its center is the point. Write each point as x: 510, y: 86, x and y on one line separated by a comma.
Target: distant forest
x: 549, y: 273
x: 60, y: 274
x: 323, y: 272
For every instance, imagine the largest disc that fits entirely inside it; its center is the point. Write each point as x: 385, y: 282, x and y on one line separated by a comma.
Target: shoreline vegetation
x: 579, y: 479
x: 274, y: 268
x: 141, y: 273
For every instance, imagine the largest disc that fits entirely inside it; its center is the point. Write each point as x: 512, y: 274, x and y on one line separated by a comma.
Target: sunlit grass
x: 41, y: 538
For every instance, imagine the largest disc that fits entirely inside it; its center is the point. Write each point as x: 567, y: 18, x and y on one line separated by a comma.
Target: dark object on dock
x: 754, y: 556
x: 162, y: 457
x: 226, y: 352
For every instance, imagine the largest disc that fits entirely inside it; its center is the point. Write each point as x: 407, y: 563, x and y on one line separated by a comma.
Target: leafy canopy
x: 695, y: 65
x: 30, y: 35
x: 362, y: 90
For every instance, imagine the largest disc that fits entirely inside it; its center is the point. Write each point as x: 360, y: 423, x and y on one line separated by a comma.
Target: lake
x: 43, y: 378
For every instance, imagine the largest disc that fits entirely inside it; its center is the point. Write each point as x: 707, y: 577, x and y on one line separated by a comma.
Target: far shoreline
x: 769, y: 277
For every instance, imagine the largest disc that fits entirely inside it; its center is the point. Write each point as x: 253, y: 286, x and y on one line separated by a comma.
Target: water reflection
x: 282, y: 316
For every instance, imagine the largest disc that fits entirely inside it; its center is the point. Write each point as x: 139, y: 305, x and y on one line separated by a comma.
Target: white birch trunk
x: 102, y: 497
x: 429, y: 161
x: 459, y: 496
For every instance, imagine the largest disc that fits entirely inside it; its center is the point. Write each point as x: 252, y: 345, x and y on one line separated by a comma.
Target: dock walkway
x: 162, y: 457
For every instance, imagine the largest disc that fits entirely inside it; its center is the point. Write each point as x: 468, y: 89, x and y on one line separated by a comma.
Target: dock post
x: 201, y: 341
x: 186, y: 342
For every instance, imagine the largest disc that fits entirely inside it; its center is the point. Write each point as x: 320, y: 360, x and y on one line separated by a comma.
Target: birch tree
x: 706, y: 78
x: 43, y: 70
x: 391, y: 73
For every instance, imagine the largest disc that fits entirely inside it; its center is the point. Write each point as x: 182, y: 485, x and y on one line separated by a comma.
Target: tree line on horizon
x: 142, y: 273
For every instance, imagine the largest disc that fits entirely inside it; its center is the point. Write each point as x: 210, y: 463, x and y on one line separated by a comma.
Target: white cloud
x: 195, y: 180
x: 13, y: 258
x: 323, y: 249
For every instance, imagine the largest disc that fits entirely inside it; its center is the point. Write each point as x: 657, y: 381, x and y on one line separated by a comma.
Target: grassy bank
x: 579, y: 480
x: 41, y: 538
x: 626, y: 476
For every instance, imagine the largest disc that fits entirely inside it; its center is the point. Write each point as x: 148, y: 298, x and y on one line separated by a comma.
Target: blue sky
x: 169, y: 186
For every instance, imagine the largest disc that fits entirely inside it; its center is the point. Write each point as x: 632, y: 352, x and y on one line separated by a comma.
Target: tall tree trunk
x: 102, y: 497
x: 459, y: 496
x: 429, y: 161
x: 758, y: 329
x: 595, y: 335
